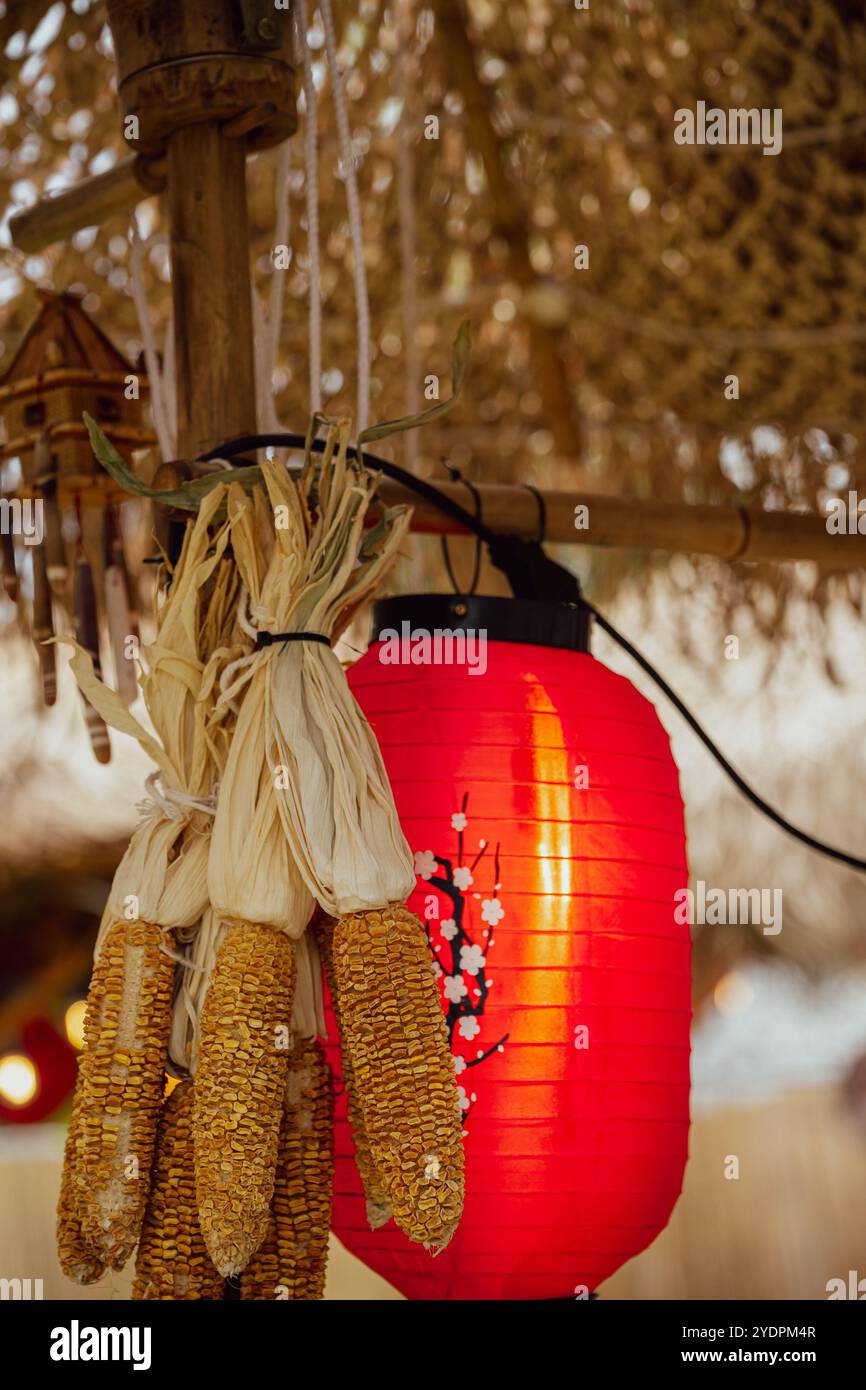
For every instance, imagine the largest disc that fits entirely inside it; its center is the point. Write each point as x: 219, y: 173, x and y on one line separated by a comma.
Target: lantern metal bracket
x: 530, y: 572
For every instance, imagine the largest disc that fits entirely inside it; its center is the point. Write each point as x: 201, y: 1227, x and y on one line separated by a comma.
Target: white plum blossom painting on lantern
x: 459, y: 960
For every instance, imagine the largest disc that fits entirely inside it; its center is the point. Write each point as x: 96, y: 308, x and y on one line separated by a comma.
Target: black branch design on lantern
x: 459, y: 941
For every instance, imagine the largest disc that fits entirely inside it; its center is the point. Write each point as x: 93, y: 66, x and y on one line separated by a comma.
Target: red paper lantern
x: 543, y: 805
x: 55, y: 1065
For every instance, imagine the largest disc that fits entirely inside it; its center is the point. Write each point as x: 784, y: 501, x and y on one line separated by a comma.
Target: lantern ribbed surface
x: 564, y: 977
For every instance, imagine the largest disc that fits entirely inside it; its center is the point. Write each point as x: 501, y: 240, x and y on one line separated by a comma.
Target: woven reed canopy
x: 555, y: 130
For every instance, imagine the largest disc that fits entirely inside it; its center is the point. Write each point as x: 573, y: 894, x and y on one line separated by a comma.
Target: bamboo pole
x: 88, y: 203
x: 731, y: 533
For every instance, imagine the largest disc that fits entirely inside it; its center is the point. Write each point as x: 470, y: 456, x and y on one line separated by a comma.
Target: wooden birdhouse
x: 65, y: 365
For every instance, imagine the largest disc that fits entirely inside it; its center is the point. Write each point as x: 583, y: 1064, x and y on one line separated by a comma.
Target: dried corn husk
x: 164, y: 870
x: 172, y: 1261
x: 336, y: 808
x: 244, y: 1043
x: 160, y: 885
x: 340, y: 823
x: 394, y: 1032
x: 258, y: 901
x: 251, y: 874
x: 378, y: 1207
x: 120, y: 1082
x: 292, y: 1260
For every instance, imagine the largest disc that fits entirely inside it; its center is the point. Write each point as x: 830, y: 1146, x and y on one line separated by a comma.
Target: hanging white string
x: 406, y: 206
x: 154, y: 374
x: 311, y: 180
x: 266, y: 410
x: 175, y: 805
x: 362, y: 306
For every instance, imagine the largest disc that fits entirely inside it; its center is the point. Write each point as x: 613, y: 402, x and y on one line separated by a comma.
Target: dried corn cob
x: 240, y: 1083
x: 120, y: 1084
x: 172, y: 1261
x: 377, y: 1205
x: 395, y: 1033
x: 291, y: 1262
x: 77, y: 1259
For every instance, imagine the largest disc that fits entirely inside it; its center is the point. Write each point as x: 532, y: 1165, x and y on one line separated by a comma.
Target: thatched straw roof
x: 555, y: 129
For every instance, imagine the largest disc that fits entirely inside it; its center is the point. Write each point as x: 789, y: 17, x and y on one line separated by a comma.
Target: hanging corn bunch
x: 304, y: 821
x: 159, y: 889
x: 291, y: 1262
x: 338, y: 817
x: 172, y: 1261
x: 259, y: 899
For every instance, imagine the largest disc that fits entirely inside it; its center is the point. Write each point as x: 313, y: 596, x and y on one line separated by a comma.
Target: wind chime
x: 63, y: 553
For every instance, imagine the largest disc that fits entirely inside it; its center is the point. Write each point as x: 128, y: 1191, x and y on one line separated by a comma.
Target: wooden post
x: 213, y: 327
x: 202, y: 84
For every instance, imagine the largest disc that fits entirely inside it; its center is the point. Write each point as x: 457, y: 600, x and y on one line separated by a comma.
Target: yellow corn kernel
x: 377, y: 1205
x: 172, y: 1261
x: 77, y: 1259
x: 394, y: 1031
x: 120, y: 1083
x: 292, y: 1261
x: 244, y: 1042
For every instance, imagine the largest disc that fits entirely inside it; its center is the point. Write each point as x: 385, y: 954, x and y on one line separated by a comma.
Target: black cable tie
x: 269, y: 639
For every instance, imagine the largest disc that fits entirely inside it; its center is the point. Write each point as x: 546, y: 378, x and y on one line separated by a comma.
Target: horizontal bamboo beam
x: 731, y: 533
x: 88, y: 203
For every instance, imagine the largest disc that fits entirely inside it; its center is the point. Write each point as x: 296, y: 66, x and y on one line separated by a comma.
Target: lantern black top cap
x: 532, y: 622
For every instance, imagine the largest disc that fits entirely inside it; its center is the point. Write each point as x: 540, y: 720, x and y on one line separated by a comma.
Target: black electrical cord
x: 391, y: 470
x: 532, y: 574
x: 850, y: 859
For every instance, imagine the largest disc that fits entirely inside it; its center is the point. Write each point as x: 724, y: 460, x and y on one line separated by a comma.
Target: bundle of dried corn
x: 172, y: 1260
x: 304, y: 819
x: 159, y: 889
x: 339, y: 820
x: 292, y: 1260
x: 260, y: 905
